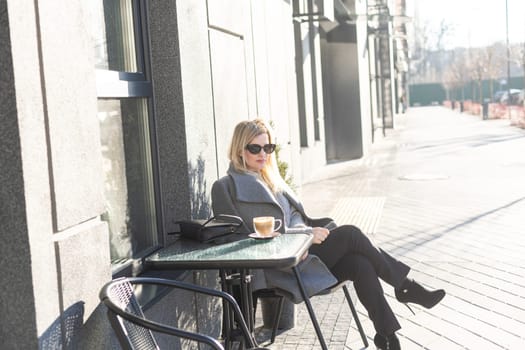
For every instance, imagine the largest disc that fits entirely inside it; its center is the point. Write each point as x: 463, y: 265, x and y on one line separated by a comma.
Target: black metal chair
x: 134, y: 331
x: 330, y: 224
x: 351, y: 305
x: 274, y: 293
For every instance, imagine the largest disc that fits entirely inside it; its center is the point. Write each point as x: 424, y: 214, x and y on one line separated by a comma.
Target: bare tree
x: 517, y: 56
x: 477, y: 69
x: 420, y: 50
x: 449, y: 82
x: 494, y: 62
x: 441, y: 33
x: 427, y: 41
x: 454, y: 75
x: 460, y: 69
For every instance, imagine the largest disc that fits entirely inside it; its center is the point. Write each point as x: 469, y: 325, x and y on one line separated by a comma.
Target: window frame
x: 112, y: 84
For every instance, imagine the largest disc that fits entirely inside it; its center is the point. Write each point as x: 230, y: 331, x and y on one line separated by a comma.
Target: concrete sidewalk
x: 445, y: 193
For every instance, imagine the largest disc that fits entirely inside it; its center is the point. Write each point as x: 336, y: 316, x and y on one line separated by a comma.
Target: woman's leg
x: 369, y: 291
x: 348, y: 239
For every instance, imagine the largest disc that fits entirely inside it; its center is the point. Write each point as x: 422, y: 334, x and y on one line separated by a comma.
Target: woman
x: 253, y: 187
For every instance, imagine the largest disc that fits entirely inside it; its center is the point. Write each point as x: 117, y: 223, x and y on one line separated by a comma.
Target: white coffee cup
x: 265, y: 225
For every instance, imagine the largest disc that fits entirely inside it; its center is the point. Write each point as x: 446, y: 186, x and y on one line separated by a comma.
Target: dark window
x: 126, y: 128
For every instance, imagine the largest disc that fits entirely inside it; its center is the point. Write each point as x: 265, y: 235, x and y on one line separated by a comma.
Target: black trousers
x: 350, y: 255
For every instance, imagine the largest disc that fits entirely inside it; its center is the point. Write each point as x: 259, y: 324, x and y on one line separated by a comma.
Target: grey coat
x: 246, y: 196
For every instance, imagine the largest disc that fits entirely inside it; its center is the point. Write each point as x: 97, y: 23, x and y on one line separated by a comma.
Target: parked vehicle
x: 512, y: 99
x: 497, y: 96
x: 521, y: 98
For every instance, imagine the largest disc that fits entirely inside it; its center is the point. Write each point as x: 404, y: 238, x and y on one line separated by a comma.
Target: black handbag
x: 212, y: 229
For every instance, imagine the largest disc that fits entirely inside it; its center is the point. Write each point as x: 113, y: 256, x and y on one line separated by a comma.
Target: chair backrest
x: 134, y: 331
x: 129, y: 333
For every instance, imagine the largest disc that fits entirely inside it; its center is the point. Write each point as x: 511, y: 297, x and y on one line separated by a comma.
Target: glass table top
x: 283, y: 251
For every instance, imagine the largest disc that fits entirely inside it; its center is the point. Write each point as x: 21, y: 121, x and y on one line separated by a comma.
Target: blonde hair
x: 243, y: 134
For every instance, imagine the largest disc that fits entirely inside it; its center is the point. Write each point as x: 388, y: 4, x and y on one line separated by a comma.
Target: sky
x: 473, y: 23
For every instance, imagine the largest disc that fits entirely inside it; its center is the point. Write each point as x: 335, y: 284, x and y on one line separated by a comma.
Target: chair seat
x: 332, y: 289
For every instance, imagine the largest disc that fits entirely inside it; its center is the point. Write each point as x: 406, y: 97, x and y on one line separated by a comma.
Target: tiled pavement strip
x: 445, y: 193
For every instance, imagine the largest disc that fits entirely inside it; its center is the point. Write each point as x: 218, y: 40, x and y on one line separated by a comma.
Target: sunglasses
x: 256, y: 149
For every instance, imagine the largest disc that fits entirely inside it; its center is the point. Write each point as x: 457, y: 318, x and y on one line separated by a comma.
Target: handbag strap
x: 232, y: 219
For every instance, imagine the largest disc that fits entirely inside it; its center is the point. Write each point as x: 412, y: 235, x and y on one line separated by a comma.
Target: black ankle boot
x: 412, y: 292
x: 387, y: 343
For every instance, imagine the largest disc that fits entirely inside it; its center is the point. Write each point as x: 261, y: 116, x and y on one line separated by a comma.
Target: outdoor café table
x: 284, y: 251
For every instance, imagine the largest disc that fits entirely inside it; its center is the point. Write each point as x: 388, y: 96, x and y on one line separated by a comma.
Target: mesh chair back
x: 138, y: 337
x: 134, y: 331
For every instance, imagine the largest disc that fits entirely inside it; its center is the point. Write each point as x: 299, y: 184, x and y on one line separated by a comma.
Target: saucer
x: 255, y: 235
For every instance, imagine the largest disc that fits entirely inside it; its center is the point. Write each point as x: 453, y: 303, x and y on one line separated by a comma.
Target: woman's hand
x: 320, y: 234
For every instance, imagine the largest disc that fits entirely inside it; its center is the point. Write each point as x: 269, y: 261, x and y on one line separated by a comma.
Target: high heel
x: 412, y: 292
x: 390, y: 342
x: 408, y: 306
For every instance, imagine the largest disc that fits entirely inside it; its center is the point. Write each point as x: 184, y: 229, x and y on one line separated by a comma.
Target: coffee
x: 265, y: 225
